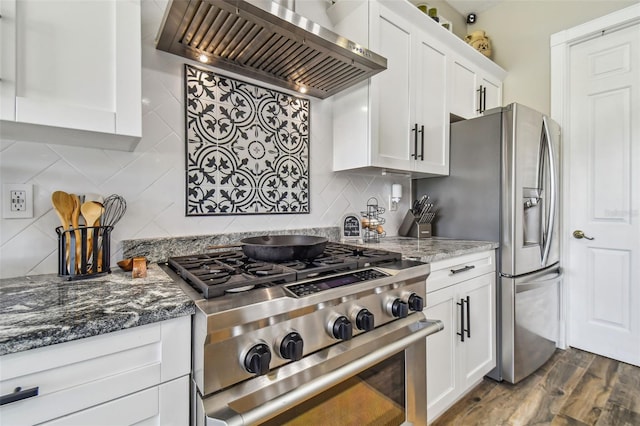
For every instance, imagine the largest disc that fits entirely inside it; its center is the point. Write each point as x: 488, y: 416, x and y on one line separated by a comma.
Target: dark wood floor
x: 574, y: 388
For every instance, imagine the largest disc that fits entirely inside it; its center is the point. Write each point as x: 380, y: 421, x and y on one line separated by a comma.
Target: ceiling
x: 466, y: 7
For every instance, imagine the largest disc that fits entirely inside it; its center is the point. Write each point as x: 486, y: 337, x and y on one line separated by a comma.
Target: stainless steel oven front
x: 378, y: 378
x: 350, y: 345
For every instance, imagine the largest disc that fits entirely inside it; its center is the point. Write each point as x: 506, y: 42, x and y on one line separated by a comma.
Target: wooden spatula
x: 91, y: 211
x: 63, y: 205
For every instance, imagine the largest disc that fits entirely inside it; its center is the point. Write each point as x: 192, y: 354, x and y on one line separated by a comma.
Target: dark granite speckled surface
x: 45, y: 310
x: 433, y: 249
x: 159, y: 249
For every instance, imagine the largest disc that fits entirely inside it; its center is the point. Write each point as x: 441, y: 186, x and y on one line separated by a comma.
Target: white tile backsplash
x: 152, y: 179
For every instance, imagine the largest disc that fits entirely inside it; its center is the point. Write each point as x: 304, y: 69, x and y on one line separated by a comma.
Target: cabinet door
x: 492, y: 92
x: 431, y: 107
x: 391, y: 37
x: 7, y: 59
x: 463, y: 93
x: 70, y: 65
x: 478, y: 354
x: 441, y: 357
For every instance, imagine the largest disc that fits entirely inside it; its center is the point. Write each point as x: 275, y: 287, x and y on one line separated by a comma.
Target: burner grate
x: 230, y: 271
x: 215, y: 274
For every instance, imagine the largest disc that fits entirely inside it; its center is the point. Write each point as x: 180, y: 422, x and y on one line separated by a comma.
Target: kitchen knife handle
x: 461, y: 334
x: 415, y: 141
x: 421, y: 143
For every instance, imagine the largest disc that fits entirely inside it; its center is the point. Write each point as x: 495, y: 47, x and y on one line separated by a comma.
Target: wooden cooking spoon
x: 63, y: 205
x: 91, y: 211
x: 74, y: 222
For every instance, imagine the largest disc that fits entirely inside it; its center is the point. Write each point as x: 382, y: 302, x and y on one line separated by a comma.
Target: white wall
x: 520, y: 30
x: 152, y: 179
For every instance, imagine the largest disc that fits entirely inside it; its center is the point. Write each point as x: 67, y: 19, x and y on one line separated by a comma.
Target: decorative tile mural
x: 247, y: 147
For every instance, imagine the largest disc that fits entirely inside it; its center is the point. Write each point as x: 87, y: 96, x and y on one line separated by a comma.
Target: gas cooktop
x: 218, y: 273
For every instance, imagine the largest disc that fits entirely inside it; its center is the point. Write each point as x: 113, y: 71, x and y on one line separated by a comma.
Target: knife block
x: 411, y: 228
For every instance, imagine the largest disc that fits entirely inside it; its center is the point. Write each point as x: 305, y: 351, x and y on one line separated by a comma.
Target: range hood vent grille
x: 276, y: 46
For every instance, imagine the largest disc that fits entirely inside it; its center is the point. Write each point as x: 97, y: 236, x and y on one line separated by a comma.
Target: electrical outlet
x: 17, y: 201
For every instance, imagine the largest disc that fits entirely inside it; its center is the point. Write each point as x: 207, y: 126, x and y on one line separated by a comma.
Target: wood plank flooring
x: 574, y: 388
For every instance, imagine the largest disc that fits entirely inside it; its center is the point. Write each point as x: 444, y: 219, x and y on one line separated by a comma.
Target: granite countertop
x: 432, y: 249
x: 44, y: 310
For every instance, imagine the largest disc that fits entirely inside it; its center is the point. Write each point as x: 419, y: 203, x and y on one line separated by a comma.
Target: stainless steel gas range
x: 299, y: 342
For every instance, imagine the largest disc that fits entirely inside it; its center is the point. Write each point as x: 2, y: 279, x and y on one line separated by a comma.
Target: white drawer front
x: 79, y: 374
x: 461, y: 268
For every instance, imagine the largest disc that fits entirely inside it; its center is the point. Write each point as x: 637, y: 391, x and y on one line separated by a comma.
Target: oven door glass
x: 374, y: 397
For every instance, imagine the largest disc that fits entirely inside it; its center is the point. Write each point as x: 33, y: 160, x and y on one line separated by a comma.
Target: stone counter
x: 432, y: 249
x: 44, y: 310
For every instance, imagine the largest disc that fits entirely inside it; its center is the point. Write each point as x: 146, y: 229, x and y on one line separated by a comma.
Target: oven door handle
x: 420, y: 327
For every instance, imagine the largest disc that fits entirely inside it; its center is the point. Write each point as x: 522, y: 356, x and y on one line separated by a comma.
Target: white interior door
x: 603, y: 169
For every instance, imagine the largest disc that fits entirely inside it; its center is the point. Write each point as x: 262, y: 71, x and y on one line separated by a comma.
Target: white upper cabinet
x: 476, y: 85
x: 71, y: 72
x: 399, y: 119
x: 400, y: 116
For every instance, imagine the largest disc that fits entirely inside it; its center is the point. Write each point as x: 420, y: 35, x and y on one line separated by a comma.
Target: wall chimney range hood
x: 276, y: 46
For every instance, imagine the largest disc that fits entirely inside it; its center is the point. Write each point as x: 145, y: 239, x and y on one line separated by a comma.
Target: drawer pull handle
x: 466, y: 268
x: 18, y: 394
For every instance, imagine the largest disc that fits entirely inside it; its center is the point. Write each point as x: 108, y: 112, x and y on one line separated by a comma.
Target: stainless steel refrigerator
x: 504, y: 186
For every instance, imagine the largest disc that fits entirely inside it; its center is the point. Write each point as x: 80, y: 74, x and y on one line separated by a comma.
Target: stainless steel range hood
x: 276, y: 46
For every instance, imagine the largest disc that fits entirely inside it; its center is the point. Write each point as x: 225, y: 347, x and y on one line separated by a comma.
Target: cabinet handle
x: 468, y: 316
x: 484, y: 98
x: 415, y: 141
x: 18, y: 394
x: 461, y: 334
x: 463, y: 269
x: 422, y: 143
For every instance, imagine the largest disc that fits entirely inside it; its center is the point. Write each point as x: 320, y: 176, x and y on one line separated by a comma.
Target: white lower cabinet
x: 460, y: 293
x: 134, y: 376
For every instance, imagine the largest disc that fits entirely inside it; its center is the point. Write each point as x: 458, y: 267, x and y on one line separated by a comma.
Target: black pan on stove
x: 279, y: 248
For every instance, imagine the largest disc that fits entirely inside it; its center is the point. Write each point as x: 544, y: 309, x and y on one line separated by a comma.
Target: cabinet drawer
x: 461, y: 268
x: 166, y: 404
x: 79, y: 374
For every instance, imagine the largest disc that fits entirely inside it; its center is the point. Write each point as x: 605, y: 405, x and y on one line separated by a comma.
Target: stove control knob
x: 292, y: 346
x: 416, y: 303
x: 257, y: 359
x: 342, y: 328
x: 398, y: 308
x: 364, y: 320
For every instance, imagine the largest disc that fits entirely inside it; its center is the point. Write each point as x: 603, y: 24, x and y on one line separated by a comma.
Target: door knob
x: 578, y: 234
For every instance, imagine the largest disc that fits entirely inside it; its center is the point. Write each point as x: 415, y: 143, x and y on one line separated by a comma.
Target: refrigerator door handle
x: 553, y: 182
